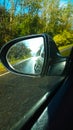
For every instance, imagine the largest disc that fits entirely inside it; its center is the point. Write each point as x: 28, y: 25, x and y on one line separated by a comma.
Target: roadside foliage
x: 22, y: 17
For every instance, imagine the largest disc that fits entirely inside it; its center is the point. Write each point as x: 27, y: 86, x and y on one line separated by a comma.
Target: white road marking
x: 4, y: 73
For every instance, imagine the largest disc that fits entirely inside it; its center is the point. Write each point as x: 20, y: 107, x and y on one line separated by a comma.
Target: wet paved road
x: 18, y: 95
x: 27, y: 66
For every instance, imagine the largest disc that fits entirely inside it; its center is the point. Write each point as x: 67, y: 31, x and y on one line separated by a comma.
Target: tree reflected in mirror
x: 27, y: 56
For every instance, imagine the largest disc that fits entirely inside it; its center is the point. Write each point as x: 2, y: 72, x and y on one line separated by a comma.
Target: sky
x: 7, y: 1
x: 63, y: 2
x: 30, y: 42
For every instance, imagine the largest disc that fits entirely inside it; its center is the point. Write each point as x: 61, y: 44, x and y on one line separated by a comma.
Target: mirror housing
x: 33, y: 55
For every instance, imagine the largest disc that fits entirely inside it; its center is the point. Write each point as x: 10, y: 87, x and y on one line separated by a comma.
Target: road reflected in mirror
x: 27, y: 56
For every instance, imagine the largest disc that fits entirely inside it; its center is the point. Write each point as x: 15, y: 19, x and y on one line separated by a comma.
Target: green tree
x: 50, y: 14
x: 30, y: 17
x: 18, y: 51
x: 56, y: 17
x: 66, y: 17
x: 4, y: 21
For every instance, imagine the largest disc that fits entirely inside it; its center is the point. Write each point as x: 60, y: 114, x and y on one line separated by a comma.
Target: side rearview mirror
x: 26, y: 55
x: 34, y: 55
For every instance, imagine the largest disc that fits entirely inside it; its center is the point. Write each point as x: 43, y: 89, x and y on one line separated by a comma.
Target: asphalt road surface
x: 26, y: 66
x: 18, y: 94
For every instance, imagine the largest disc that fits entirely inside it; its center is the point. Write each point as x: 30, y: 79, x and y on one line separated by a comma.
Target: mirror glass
x: 27, y: 56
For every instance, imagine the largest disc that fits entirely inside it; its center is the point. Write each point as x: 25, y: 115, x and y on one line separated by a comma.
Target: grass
x: 66, y: 49
x: 64, y: 53
x: 2, y: 69
x: 15, y: 61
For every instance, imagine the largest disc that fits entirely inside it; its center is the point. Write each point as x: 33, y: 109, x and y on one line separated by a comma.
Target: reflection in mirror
x: 27, y: 56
